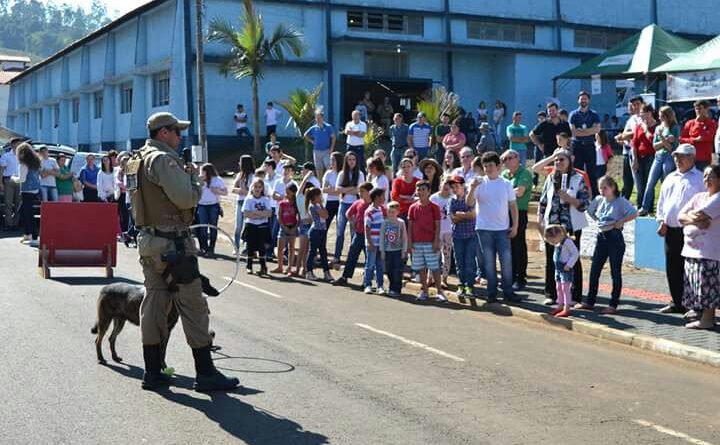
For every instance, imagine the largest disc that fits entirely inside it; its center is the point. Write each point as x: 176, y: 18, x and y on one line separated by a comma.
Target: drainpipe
x: 448, y: 41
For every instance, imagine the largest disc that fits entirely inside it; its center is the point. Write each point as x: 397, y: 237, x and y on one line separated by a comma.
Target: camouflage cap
x: 165, y: 119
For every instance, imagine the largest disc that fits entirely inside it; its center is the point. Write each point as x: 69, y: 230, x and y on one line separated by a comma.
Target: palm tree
x: 301, y: 106
x: 442, y: 101
x: 251, y: 49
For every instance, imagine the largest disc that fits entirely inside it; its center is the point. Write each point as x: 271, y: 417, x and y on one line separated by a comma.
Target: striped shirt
x: 374, y: 217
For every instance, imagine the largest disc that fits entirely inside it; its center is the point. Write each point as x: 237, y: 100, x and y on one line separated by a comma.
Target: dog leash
x: 238, y: 259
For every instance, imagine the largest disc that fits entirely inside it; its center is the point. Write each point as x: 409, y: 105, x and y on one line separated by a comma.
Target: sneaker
x: 469, y: 292
x: 381, y: 291
x: 33, y: 243
x: 643, y: 212
x: 368, y: 290
x: 310, y: 276
x: 393, y: 294
x: 491, y: 300
x: 416, y: 278
x: 441, y: 297
x: 342, y: 281
x: 460, y: 293
x: 26, y: 239
x: 327, y: 277
x: 518, y: 286
x: 423, y: 296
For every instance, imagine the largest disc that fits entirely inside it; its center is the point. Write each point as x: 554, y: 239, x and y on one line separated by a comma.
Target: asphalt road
x: 321, y: 364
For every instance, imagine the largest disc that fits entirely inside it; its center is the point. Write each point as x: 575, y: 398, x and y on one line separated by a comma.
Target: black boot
x: 208, y: 378
x: 153, y: 378
x: 263, y: 267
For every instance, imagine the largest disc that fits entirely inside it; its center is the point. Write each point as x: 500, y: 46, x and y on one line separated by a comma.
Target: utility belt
x: 181, y: 268
x: 177, y: 237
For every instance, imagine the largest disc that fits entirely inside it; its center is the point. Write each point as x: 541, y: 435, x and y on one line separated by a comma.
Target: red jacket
x: 642, y: 142
x: 705, y: 129
x: 400, y: 187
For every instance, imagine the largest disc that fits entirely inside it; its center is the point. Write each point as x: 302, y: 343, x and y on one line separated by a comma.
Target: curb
x: 640, y: 341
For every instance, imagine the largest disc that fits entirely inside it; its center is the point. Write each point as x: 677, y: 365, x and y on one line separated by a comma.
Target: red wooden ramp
x: 78, y: 234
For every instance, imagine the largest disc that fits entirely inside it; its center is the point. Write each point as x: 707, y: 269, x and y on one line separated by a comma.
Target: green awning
x: 704, y: 57
x: 634, y: 56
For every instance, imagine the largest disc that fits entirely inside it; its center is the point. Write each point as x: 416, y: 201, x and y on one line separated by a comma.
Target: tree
x: 441, y: 102
x: 251, y: 49
x: 301, y: 106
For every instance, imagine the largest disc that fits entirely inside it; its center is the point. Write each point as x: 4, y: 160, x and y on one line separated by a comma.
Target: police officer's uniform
x: 164, y: 194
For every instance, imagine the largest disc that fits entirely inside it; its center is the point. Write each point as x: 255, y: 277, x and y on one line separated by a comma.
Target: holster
x: 182, y: 268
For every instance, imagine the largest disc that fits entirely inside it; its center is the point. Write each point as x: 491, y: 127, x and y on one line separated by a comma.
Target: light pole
x: 200, y: 73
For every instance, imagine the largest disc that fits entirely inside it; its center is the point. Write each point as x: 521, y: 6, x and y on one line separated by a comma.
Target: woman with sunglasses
x: 565, y: 197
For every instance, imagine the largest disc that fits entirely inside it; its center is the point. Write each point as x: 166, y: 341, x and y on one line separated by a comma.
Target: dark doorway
x: 404, y: 94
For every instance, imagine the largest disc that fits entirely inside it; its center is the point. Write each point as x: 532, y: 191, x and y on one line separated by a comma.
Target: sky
x: 115, y: 8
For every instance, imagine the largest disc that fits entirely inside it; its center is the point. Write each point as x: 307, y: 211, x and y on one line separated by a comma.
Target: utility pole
x: 200, y: 73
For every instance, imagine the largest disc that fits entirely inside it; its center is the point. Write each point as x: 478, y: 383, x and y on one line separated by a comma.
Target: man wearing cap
x: 585, y: 124
x: 322, y: 137
x: 522, y: 182
x: 487, y: 141
x: 11, y: 189
x: 355, y: 131
x: 700, y: 132
x: 419, y: 135
x: 164, y: 192
x: 677, y: 189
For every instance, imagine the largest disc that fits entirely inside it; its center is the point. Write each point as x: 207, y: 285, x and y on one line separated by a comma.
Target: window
x: 75, y: 110
x: 389, y: 23
x: 126, y: 92
x: 500, y: 32
x: 386, y: 64
x: 161, y: 89
x: 598, y: 39
x: 97, y: 104
x: 56, y: 115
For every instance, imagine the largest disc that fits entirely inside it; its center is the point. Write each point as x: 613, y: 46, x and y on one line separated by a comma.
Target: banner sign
x: 596, y: 84
x: 693, y: 86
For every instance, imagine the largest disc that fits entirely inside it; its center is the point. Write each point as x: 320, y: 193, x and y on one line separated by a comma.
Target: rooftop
x: 7, y: 76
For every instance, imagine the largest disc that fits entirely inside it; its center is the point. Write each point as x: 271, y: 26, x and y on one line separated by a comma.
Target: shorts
x: 271, y: 129
x: 288, y: 231
x: 423, y: 257
x: 303, y: 229
x: 321, y: 159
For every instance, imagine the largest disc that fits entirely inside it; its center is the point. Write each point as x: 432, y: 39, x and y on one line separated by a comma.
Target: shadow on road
x: 93, y: 281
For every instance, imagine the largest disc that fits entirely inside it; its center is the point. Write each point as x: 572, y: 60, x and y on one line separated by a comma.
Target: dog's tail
x: 94, y: 329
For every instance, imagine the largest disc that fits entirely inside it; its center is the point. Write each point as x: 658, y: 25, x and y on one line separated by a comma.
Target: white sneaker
x: 33, y: 243
x: 441, y: 297
x: 327, y: 276
x: 423, y: 296
x: 368, y: 290
x: 381, y: 291
x: 310, y: 276
x: 26, y: 239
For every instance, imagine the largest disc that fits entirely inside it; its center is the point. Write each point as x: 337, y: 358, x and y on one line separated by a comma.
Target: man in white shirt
x: 495, y: 202
x: 11, y: 189
x: 466, y: 169
x: 241, y: 123
x: 355, y: 131
x: 49, y: 168
x: 271, y: 120
x: 635, y: 110
x: 677, y: 189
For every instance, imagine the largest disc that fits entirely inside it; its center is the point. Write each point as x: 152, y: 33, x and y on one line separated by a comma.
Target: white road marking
x: 257, y: 289
x: 411, y: 342
x: 670, y: 432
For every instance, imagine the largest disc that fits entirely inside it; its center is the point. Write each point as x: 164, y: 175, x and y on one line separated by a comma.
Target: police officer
x: 164, y: 191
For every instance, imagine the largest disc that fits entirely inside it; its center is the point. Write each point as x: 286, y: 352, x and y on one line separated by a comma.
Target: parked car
x: 80, y: 159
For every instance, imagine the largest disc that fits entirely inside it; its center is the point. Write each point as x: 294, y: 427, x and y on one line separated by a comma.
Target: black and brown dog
x: 120, y: 302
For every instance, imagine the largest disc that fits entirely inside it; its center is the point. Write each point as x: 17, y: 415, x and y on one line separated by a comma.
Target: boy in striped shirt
x: 374, y: 217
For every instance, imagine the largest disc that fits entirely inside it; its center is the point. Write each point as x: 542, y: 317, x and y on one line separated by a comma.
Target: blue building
x: 98, y: 92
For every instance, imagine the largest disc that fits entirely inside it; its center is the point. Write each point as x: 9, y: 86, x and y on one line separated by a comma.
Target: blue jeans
x: 642, y: 175
x: 341, y: 225
x: 373, y: 263
x: 394, y: 268
x: 48, y: 193
x: 610, y: 245
x: 357, y: 246
x: 422, y: 152
x: 465, y: 251
x: 585, y: 159
x: 523, y: 157
x: 495, y: 243
x: 318, y: 243
x: 662, y: 166
x: 207, y: 214
x: 396, y: 156
x: 239, y: 220
x: 274, y: 226
x: 332, y: 208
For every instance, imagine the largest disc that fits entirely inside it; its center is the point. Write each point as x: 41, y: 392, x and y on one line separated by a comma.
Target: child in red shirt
x: 403, y: 187
x: 424, y: 239
x: 288, y: 217
x: 356, y: 215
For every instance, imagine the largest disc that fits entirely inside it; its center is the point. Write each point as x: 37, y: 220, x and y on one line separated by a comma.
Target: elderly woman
x: 700, y: 219
x: 565, y: 197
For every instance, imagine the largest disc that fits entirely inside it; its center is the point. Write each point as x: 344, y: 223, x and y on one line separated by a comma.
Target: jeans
x: 465, y: 251
x: 318, y: 243
x: 359, y: 151
x: 48, y: 193
x: 332, y: 208
x: 239, y: 220
x: 27, y: 214
x: 394, y: 268
x: 642, y: 175
x: 518, y: 246
x: 341, y: 225
x: 550, y: 289
x: 585, y: 159
x: 523, y: 157
x: 610, y: 245
x: 439, y: 154
x: 207, y: 214
x: 662, y: 166
x: 422, y: 152
x: 373, y: 263
x: 123, y: 212
x: 396, y: 156
x: 357, y: 246
x: 495, y: 243
x: 675, y: 264
x: 274, y: 226
x: 628, y: 176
